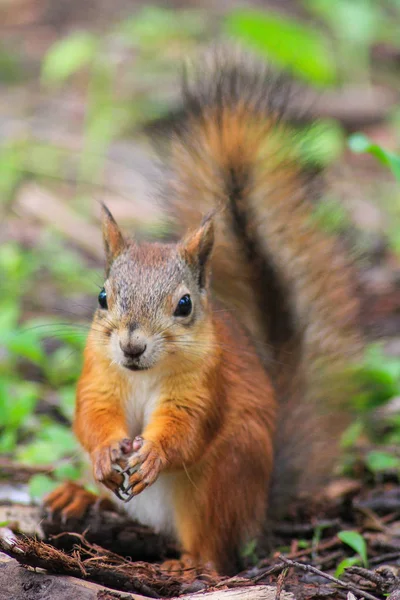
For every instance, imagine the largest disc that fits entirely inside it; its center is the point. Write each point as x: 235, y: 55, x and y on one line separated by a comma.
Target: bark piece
x: 18, y: 583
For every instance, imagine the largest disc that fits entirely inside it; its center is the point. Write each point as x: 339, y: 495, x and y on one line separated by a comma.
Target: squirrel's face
x: 153, y: 308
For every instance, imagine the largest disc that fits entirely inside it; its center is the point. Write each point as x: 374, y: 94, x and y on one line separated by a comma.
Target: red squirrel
x: 213, y: 363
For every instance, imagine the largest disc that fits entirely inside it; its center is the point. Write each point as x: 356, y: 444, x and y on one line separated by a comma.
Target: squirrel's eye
x: 103, y: 298
x: 184, y: 307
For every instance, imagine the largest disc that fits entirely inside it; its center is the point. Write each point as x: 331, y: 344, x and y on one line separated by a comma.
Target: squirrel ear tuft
x: 114, y: 242
x: 197, y: 248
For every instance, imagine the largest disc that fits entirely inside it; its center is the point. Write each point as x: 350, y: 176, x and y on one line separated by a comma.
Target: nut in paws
x: 122, y: 492
x: 144, y: 466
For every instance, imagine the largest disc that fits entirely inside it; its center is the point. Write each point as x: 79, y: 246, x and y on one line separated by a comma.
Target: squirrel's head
x: 154, y: 306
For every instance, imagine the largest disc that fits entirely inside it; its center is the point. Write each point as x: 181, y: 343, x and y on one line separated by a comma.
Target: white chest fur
x: 154, y: 506
x: 143, y: 398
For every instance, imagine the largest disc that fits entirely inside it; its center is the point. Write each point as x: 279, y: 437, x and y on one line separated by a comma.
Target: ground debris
x: 89, y: 561
x: 310, y: 552
x: 111, y: 530
x: 106, y: 548
x: 347, y: 585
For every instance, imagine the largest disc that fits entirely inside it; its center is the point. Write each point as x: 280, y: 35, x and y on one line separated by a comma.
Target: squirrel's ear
x: 114, y: 242
x: 197, y: 247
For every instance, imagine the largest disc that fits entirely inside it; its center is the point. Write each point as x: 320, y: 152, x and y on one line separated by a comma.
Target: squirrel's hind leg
x: 187, y: 567
x: 72, y: 501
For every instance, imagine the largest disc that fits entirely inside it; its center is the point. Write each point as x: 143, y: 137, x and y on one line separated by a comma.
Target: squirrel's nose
x: 133, y: 349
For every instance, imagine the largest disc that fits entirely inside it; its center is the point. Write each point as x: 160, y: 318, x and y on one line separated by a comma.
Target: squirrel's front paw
x: 144, y: 466
x: 109, y: 461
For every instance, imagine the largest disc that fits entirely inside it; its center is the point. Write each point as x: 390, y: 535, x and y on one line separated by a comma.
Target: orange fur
x: 212, y: 426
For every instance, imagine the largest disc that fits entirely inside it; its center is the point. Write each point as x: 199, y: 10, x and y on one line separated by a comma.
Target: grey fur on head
x: 144, y: 284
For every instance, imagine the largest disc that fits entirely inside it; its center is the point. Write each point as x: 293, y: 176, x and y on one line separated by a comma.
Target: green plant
x: 378, y: 461
x: 317, y: 536
x: 355, y: 27
x: 356, y: 542
x: 360, y: 143
x: 111, y: 107
x: 287, y: 43
x: 11, y: 169
x: 69, y: 55
x: 10, y: 67
x: 250, y: 552
x: 321, y: 143
x: 40, y: 358
x: 379, y: 378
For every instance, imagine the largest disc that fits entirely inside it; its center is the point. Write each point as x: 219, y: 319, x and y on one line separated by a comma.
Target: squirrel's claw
x: 121, y: 494
x: 143, y: 470
x: 123, y: 491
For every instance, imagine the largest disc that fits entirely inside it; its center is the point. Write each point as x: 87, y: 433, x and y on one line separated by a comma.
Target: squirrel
x: 215, y: 363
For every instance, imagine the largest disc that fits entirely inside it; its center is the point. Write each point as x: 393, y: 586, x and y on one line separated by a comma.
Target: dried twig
x: 344, y: 584
x: 280, y: 582
x: 378, y: 560
x: 386, y: 584
x: 274, y: 570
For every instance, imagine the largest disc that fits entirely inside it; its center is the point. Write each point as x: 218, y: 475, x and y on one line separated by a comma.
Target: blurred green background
x: 78, y: 79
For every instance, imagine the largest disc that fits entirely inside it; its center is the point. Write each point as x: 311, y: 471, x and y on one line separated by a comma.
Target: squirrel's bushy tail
x: 286, y: 280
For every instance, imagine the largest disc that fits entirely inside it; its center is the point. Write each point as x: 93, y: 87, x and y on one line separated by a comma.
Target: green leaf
x: 379, y: 376
x: 67, y: 401
x: 25, y: 343
x: 39, y: 452
x: 322, y: 142
x: 67, y: 471
x: 250, y: 551
x: 351, y: 434
x: 40, y: 485
x: 358, y: 21
x: 72, y: 333
x: 16, y: 264
x: 10, y: 67
x: 21, y: 402
x: 8, y: 318
x: 11, y: 170
x: 356, y: 542
x: 249, y: 548
x: 17, y: 402
x: 300, y: 48
x: 8, y: 441
x: 67, y: 56
x: 63, y: 366
x: 360, y: 143
x: 45, y: 159
x: 153, y: 26
x: 347, y: 562
x: 378, y: 461
x: 52, y: 443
